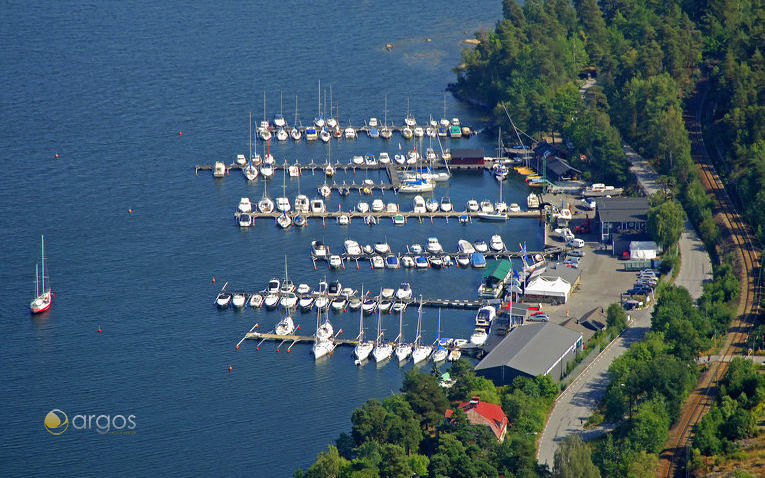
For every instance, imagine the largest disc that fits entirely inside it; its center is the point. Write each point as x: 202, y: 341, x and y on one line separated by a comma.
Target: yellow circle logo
x: 56, y: 422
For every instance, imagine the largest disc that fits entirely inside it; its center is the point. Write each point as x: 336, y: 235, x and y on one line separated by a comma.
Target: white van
x: 575, y: 242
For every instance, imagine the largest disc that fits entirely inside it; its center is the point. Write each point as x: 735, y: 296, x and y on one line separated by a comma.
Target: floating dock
x: 384, y: 214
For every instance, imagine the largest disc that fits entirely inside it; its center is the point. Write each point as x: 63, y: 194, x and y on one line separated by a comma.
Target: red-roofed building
x: 482, y: 413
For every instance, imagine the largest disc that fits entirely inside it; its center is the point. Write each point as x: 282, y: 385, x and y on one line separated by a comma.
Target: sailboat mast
x: 264, y: 106
x: 361, y: 316
x: 42, y: 239
x: 400, y: 325
x: 37, y: 280
x: 250, y: 157
x: 319, y: 96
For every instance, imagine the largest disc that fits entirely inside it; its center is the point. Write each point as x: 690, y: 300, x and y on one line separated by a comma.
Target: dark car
x: 638, y: 291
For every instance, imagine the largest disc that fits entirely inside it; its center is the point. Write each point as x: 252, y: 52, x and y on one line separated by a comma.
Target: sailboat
x: 43, y: 296
x: 440, y: 353
x: 265, y: 204
x: 323, y: 338
x: 250, y: 171
x: 331, y: 121
x: 295, y: 133
x: 364, y: 347
x: 383, y: 350
x: 265, y: 129
x: 386, y: 132
x: 409, y: 120
x: 403, y: 350
x: 285, y: 326
x: 496, y: 212
x: 283, y: 202
x: 420, y: 352
x: 319, y: 120
x: 279, y: 120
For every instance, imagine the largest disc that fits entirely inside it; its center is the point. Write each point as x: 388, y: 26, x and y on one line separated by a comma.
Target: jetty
x: 384, y: 214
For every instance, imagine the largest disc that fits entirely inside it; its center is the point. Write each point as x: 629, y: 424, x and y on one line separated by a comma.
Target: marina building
x: 621, y: 215
x: 482, y: 413
x: 531, y: 350
x: 467, y: 157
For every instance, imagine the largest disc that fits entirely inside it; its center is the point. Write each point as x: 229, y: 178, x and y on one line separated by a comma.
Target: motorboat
x: 439, y: 354
x: 384, y: 306
x: 219, y: 169
x: 350, y: 133
x: 334, y: 289
x: 407, y: 262
x: 477, y: 260
x: 357, y: 160
x: 343, y: 219
x: 465, y: 247
x: 339, y: 304
x: 497, y: 244
x: 311, y: 134
x: 447, y: 260
x: 455, y: 353
x: 288, y: 301
x: 387, y: 293
x: 284, y: 221
x: 369, y: 305
x: 442, y: 132
x: 325, y: 190
x: 431, y: 205
x: 335, y: 261
x: 378, y: 205
x: 354, y: 303
x: 532, y: 201
x: 273, y: 286
x: 436, y: 262
x: 283, y: 204
x: 514, y: 207
x: 306, y: 303
x: 373, y: 132
x: 303, y: 289
x: 381, y: 247
x: 302, y: 203
x: 370, y: 220
x: 256, y: 301
x: 399, y: 219
x: 392, y: 262
x: 321, y: 302
x: 391, y: 208
x: 245, y: 220
x: 430, y: 131
x: 347, y: 292
x: 245, y: 205
x: 399, y: 158
x: 352, y: 248
x: 362, y: 207
x: 285, y: 326
x: 406, y: 132
x: 463, y: 219
x: 487, y: 207
x: 421, y: 262
x: 455, y: 131
x: 412, y: 156
x: 434, y: 246
x: 415, y: 248
x: 463, y: 260
x: 293, y: 170
x: 329, y: 170
x: 419, y: 205
x: 222, y: 301
x: 418, y: 132
x: 446, y: 204
x: 377, y: 262
x: 238, y: 300
x: 368, y: 249
x: 472, y: 205
x: 481, y: 246
x: 267, y: 171
x: 317, y: 205
x: 404, y: 291
x: 319, y: 250
x: 271, y: 301
x: 485, y: 316
x: 417, y: 185
x: 384, y: 158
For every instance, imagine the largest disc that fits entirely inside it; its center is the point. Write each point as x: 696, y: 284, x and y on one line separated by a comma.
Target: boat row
x: 352, y: 249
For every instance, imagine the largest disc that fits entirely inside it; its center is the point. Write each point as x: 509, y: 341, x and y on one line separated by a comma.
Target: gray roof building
x: 621, y: 214
x: 531, y: 350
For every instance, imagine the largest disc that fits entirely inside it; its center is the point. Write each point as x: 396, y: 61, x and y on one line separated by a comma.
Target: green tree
x: 650, y: 425
x: 643, y: 465
x: 426, y: 398
x: 328, y: 464
x: 395, y: 462
x: 616, y: 316
x: 665, y: 223
x: 573, y: 460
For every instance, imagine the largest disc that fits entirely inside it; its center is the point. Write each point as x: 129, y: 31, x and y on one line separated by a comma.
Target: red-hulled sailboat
x: 43, y: 295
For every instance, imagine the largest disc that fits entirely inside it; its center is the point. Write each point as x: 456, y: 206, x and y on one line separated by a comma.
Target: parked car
x: 638, y: 291
x: 575, y: 253
x: 541, y: 317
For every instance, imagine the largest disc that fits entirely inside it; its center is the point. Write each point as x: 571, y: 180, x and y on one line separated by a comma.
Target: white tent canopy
x: 643, y: 250
x: 548, y: 287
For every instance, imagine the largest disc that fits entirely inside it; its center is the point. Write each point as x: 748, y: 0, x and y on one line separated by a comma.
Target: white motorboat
x: 288, y: 301
x: 352, y: 248
x: 266, y: 205
x: 378, y: 205
x: 383, y: 350
x: 421, y: 262
x: 514, y: 207
x: 485, y: 316
x: 436, y: 262
x: 319, y: 250
x: 532, y: 201
x: 363, y: 347
x: 293, y: 170
x: 302, y: 203
x: 256, y: 301
x: 321, y: 302
x: 317, y: 205
x: 419, y: 205
x: 311, y: 134
x: 403, y: 350
x: 303, y: 289
x: 370, y: 220
x: 487, y: 207
x: 245, y: 205
x: 463, y: 260
x: 369, y: 160
x: 404, y: 291
x: 334, y: 289
x: 434, y: 246
x: 306, y: 303
x: 399, y: 219
x: 387, y: 293
x: 377, y: 262
x: 497, y: 244
x: 391, y: 208
x: 339, y: 303
x: 399, y: 158
x: 354, y: 303
x: 282, y: 135
x: 267, y: 171
x: 481, y: 246
x: 357, y: 160
x: 350, y: 133
x: 431, y: 205
x: 362, y: 207
x: 368, y: 249
x: 284, y: 221
x: 369, y: 305
x: 418, y: 132
x: 479, y: 336
x: 392, y: 262
x: 430, y: 131
x: 384, y: 158
x: 465, y: 247
x: 285, y: 326
x: 446, y: 204
x: 283, y: 204
x: 343, y: 219
x: 415, y: 248
x: 335, y: 261
x: 238, y: 300
x: 329, y: 170
x: 407, y: 262
x: 381, y: 247
x: 455, y: 353
x: 472, y: 205
x: 241, y: 159
x: 245, y: 220
x: 407, y: 132
x: 222, y: 301
x: 412, y: 156
x: 271, y: 301
x: 273, y: 287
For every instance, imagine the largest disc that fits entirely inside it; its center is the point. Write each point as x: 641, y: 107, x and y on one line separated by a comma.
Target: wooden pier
x: 294, y: 338
x: 421, y: 216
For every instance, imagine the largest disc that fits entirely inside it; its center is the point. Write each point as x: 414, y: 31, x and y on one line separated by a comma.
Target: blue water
x: 107, y: 87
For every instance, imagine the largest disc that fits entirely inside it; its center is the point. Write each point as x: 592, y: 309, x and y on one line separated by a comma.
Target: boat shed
x: 467, y: 156
x: 558, y: 168
x: 531, y: 350
x: 548, y: 289
x: 621, y: 215
x: 499, y: 272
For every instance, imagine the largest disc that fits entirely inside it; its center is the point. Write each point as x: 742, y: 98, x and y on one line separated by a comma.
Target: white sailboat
x: 323, y: 338
x: 364, y: 347
x: 285, y: 326
x: 265, y: 205
x: 250, y: 171
x: 283, y: 202
x: 383, y: 350
x: 43, y: 295
x: 295, y: 132
x: 420, y: 352
x: 439, y: 353
x: 403, y: 350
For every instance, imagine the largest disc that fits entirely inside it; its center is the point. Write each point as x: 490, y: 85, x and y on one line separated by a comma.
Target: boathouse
x: 467, y: 157
x: 621, y: 215
x: 531, y: 350
x: 482, y: 413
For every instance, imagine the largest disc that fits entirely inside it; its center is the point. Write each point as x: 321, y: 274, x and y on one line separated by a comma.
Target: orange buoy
x: 289, y: 350
x: 230, y: 368
x: 237, y: 347
x: 257, y: 348
x: 56, y: 155
x: 99, y: 330
x: 213, y: 279
x: 130, y: 211
x: 180, y: 133
x: 277, y: 350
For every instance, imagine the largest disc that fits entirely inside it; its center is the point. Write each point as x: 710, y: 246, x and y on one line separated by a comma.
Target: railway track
x: 736, y: 233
